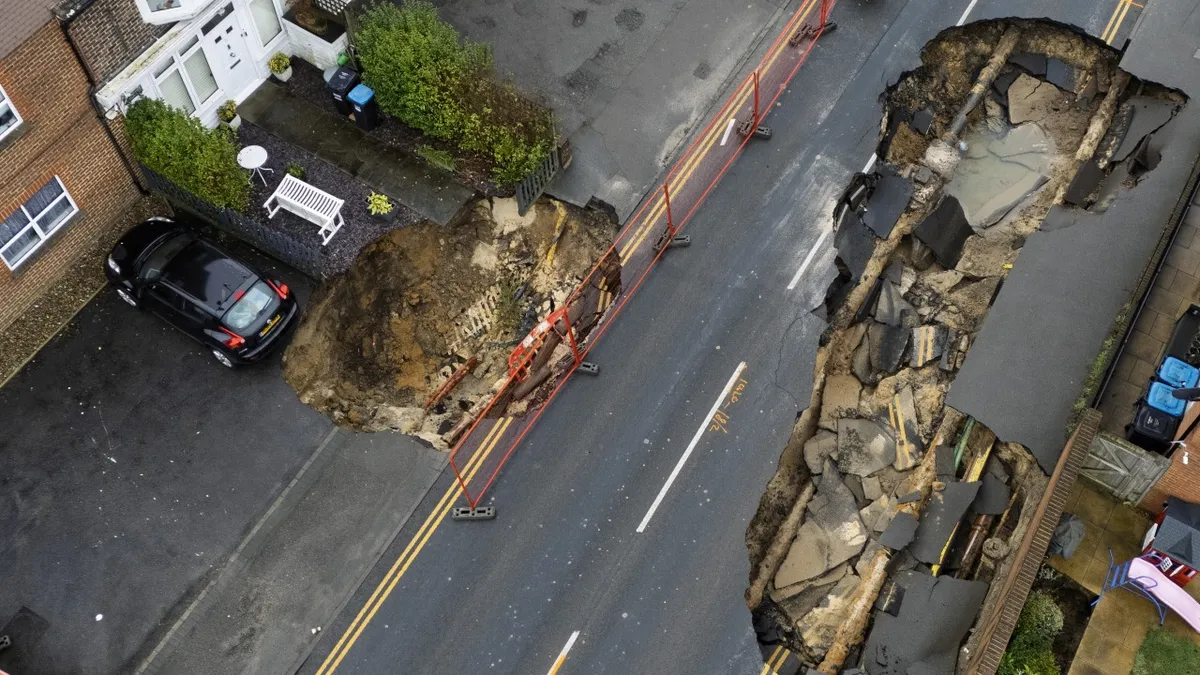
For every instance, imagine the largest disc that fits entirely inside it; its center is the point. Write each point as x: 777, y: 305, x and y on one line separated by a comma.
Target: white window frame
x: 248, y: 18
x: 7, y: 104
x: 43, y: 235
x: 186, y: 10
x: 176, y: 63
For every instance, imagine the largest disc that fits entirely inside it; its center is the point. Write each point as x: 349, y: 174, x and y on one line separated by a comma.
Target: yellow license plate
x: 270, y: 324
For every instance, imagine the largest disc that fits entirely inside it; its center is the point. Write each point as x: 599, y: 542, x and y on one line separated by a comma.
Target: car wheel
x: 127, y: 297
x: 222, y: 358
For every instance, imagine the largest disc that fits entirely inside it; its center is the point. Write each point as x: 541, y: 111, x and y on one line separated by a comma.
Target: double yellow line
x: 905, y: 450
x: 384, y: 589
x: 773, y: 664
x: 1117, y: 18
x: 715, y: 131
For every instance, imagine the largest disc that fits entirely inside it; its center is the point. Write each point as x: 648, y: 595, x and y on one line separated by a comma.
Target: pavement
x: 629, y: 81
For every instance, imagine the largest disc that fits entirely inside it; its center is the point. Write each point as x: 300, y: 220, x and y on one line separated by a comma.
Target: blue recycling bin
x: 1176, y: 373
x: 1160, y: 398
x: 366, y: 110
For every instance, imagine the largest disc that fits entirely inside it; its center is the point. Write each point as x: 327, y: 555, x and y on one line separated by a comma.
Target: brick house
x: 63, y: 183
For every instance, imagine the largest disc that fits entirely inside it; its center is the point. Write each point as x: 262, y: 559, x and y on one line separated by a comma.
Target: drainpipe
x: 64, y: 24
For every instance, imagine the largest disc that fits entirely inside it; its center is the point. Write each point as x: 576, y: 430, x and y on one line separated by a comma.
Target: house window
x: 169, y: 11
x: 10, y: 119
x: 185, y: 80
x: 27, y: 228
x: 265, y: 20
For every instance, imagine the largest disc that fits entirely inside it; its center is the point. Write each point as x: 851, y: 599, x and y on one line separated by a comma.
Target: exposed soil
x: 423, y: 300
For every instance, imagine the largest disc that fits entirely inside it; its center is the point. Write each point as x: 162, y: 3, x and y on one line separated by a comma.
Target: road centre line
x: 562, y: 656
x: 435, y: 518
x: 692, y: 162
x: 728, y: 129
x: 691, y: 446
x: 870, y: 163
x: 963, y: 19
x: 807, y: 260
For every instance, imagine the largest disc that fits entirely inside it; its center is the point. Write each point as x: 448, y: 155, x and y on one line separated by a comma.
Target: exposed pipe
x: 987, y: 76
x: 64, y: 24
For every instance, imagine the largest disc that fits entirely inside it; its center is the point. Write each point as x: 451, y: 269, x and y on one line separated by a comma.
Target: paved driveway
x: 133, y: 467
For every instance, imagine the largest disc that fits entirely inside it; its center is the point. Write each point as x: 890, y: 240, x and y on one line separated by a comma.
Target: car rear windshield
x: 249, y: 307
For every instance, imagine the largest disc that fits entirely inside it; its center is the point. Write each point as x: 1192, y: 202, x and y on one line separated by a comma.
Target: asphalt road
x: 565, y: 562
x: 133, y: 465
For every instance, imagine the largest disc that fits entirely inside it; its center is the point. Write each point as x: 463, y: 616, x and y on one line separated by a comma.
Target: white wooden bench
x: 310, y: 203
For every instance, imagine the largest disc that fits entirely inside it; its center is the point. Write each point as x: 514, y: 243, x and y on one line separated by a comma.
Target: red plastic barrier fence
x: 602, y: 294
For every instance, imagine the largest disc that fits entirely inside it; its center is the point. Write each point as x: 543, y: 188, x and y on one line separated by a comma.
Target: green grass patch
x: 1091, y: 384
x: 1165, y: 653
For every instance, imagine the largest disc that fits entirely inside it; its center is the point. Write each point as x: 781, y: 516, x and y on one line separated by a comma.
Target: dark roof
x: 22, y: 18
x: 1179, y: 534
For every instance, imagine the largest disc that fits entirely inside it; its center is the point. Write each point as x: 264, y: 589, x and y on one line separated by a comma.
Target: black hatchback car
x: 202, y: 290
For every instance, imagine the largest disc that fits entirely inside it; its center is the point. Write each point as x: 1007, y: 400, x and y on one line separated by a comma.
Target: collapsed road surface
x: 594, y: 565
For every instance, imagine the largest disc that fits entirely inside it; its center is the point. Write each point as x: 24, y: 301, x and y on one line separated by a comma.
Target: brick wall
x: 60, y: 136
x: 111, y: 34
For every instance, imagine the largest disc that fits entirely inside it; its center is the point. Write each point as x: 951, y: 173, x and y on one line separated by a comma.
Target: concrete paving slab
x: 872, y: 488
x: 839, y: 397
x: 831, y: 535
x: 864, y: 447
x: 823, y: 444
x: 945, y: 510
x: 935, y: 615
x: 878, y: 514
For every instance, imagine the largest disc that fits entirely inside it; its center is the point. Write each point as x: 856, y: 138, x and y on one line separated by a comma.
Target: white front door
x: 225, y: 45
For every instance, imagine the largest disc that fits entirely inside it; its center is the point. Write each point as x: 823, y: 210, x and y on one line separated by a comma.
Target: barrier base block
x: 477, y: 513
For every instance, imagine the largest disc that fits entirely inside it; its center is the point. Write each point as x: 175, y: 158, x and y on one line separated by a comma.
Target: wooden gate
x: 1122, y: 468
x: 532, y: 185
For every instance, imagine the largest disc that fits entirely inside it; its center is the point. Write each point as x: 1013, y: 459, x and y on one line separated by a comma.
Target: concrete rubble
x: 831, y: 535
x: 864, y: 447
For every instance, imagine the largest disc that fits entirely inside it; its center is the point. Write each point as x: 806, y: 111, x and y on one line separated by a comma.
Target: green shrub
x: 1165, y: 653
x: 296, y: 169
x: 1031, y: 651
x: 426, y: 76
x: 176, y: 145
x: 439, y: 158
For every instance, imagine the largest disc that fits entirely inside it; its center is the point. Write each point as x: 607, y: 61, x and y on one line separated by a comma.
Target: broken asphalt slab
x: 854, y: 243
x: 1148, y: 115
x: 890, y: 198
x: 935, y: 615
x: 902, y: 415
x: 944, y: 231
x: 887, y: 345
x: 945, y: 510
x: 928, y: 343
x: 993, y: 497
x: 900, y: 531
x: 891, y: 308
x: 831, y: 534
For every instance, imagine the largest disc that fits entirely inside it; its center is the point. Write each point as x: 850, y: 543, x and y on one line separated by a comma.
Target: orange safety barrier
x: 641, y: 243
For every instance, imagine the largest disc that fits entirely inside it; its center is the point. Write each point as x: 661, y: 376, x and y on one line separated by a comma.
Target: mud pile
x: 424, y: 303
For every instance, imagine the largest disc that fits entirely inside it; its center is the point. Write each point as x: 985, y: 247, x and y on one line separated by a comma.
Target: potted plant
x: 380, y: 206
x: 228, y: 115
x: 281, y: 66
x: 296, y: 169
